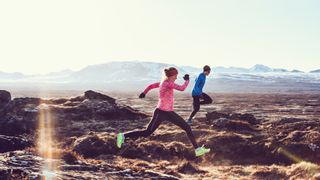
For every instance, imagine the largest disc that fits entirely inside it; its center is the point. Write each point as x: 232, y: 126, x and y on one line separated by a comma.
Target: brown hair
x: 170, y: 71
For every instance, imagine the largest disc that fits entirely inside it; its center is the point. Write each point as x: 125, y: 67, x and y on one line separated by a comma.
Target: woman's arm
x: 179, y: 87
x: 151, y: 86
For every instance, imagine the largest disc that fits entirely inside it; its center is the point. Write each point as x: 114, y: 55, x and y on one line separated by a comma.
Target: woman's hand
x: 142, y: 95
x: 186, y: 77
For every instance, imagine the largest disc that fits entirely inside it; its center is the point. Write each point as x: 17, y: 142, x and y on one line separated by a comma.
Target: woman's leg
x: 178, y: 120
x: 206, y: 99
x: 152, y: 126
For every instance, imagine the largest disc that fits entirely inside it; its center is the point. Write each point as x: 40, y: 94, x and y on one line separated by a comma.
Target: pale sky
x: 39, y: 36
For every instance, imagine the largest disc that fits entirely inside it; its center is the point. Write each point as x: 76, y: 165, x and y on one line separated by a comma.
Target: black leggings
x: 158, y: 117
x: 196, y: 103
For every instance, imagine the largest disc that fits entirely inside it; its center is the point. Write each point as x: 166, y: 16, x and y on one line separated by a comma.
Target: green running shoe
x: 201, y: 151
x: 120, y: 139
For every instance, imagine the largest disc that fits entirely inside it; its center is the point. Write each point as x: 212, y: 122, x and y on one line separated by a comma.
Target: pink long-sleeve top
x: 166, y: 99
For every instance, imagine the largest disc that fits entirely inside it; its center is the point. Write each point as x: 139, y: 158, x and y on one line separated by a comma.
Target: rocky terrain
x: 252, y: 136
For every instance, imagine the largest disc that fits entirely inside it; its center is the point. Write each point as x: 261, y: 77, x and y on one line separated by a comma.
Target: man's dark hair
x: 206, y: 68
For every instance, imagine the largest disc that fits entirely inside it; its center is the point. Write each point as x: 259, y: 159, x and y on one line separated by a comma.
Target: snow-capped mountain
x: 135, y: 75
x: 16, y: 75
x: 260, y: 68
x: 315, y: 71
x: 119, y: 71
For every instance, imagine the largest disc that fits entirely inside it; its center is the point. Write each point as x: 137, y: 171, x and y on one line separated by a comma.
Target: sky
x: 40, y: 36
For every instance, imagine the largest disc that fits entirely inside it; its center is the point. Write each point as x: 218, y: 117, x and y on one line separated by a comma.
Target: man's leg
x: 196, y: 108
x: 206, y: 99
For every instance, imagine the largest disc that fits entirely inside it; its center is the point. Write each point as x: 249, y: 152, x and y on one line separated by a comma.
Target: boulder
x: 10, y: 143
x: 92, y: 95
x: 232, y: 125
x: 95, y: 145
x: 5, y: 98
x: 213, y: 116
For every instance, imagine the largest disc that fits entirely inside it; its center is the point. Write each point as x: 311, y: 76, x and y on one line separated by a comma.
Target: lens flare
x: 290, y: 155
x: 45, y: 143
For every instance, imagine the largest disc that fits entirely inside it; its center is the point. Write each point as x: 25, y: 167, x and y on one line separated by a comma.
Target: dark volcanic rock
x: 22, y: 106
x: 294, y: 140
x: 269, y: 174
x: 79, y: 168
x: 14, y: 126
x: 286, y: 141
x: 232, y: 122
x: 152, y: 150
x: 25, y: 165
x: 13, y: 173
x: 5, y: 98
x: 94, y: 105
x: 102, y: 144
x: 231, y: 125
x: 288, y: 121
x: 9, y: 143
x: 245, y: 117
x: 188, y: 168
x: 239, y: 149
x: 20, y: 116
x: 94, y: 145
x: 302, y: 145
x: 98, y: 96
x: 212, y: 116
x: 241, y: 146
x: 216, y: 115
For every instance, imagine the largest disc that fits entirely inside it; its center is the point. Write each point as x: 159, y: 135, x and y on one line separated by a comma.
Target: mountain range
x: 134, y: 75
